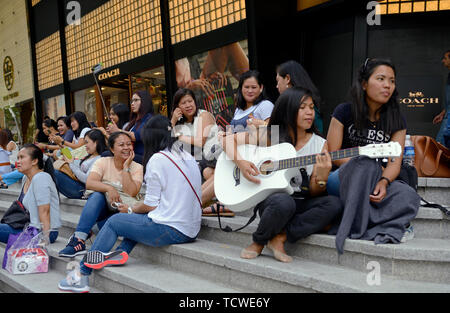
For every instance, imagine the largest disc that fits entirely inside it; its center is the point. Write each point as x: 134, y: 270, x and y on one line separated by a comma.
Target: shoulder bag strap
x: 199, y: 201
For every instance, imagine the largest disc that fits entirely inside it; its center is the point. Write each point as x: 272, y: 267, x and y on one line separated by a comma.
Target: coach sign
x: 420, y: 101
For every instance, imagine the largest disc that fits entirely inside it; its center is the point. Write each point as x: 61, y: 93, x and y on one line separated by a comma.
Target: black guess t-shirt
x: 354, y: 137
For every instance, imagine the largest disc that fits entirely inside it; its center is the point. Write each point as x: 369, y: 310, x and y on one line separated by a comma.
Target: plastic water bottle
x: 409, y: 154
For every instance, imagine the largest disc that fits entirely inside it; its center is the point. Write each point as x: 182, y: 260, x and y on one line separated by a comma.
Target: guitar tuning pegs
x: 385, y: 160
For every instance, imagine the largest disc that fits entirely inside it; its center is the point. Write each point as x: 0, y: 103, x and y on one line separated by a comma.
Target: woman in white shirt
x: 197, y: 130
x: 285, y: 217
x: 5, y: 163
x: 252, y: 107
x: 170, y: 213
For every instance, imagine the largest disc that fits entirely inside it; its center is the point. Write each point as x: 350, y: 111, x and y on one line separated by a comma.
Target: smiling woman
x: 119, y: 169
x: 252, y: 107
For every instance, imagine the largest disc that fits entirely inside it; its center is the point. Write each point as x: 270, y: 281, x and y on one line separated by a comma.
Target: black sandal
x: 222, y: 211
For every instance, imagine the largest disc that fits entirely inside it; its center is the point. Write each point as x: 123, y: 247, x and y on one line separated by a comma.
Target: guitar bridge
x: 237, y: 176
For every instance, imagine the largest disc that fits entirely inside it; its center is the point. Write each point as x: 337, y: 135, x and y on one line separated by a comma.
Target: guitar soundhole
x: 266, y: 168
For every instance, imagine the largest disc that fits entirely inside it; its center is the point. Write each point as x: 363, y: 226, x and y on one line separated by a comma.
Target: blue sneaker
x: 74, y: 247
x: 75, y: 282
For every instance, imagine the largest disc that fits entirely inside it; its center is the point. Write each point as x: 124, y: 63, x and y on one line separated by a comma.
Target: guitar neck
x: 311, y: 159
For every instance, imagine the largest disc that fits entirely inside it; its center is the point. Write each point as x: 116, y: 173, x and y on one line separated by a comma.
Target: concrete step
x: 136, y: 275
x: 140, y: 275
x: 222, y: 262
x: 421, y: 259
x: 435, y: 189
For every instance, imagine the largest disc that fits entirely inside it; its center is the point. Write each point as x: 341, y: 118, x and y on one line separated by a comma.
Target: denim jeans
x: 134, y: 228
x: 6, y: 230
x: 333, y: 183
x: 72, y: 189
x: 12, y: 177
x: 95, y: 211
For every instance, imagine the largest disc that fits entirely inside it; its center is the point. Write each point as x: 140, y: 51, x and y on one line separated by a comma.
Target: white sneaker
x: 75, y: 282
x: 408, y: 235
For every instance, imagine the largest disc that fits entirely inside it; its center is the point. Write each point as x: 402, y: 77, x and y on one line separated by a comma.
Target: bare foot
x: 276, y: 244
x: 252, y: 251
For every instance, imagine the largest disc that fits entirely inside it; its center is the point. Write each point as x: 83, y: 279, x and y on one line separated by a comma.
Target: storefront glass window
x: 214, y: 77
x: 85, y: 102
x: 154, y: 82
x: 54, y: 107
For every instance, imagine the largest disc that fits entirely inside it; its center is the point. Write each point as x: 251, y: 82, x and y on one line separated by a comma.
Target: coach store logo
x: 8, y: 72
x: 111, y: 73
x: 417, y: 99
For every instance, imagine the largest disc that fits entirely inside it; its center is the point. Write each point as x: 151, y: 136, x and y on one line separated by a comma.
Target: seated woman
x: 119, y: 169
x: 141, y: 111
x: 170, y: 213
x: 38, y: 195
x: 252, y: 107
x: 364, y: 185
x: 50, y: 128
x: 197, y: 129
x: 74, y: 189
x: 12, y: 146
x: 283, y: 216
x: 7, y: 179
x: 5, y: 163
x: 64, y: 128
x: 119, y: 115
x: 80, y: 126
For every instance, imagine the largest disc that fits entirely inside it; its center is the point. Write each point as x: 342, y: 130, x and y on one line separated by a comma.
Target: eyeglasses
x: 135, y: 100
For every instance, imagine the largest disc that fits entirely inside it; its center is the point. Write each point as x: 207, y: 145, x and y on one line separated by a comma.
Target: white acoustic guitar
x: 277, y: 165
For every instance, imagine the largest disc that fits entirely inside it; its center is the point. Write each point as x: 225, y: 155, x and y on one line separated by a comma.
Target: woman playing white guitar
x: 283, y: 216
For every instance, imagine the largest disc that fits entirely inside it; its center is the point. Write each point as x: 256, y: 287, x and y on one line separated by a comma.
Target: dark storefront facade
x: 160, y: 45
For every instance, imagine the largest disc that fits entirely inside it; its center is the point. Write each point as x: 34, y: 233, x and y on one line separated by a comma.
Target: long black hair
x: 83, y: 123
x: 240, y: 101
x: 123, y: 112
x: 36, y: 154
x: 96, y: 136
x: 285, y: 112
x: 156, y: 136
x: 390, y: 116
x: 145, y: 107
x: 177, y: 98
x: 299, y: 77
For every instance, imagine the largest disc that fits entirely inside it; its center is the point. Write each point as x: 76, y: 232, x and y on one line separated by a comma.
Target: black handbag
x: 17, y: 216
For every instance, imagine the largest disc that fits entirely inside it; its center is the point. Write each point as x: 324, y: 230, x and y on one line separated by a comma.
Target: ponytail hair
x: 44, y: 163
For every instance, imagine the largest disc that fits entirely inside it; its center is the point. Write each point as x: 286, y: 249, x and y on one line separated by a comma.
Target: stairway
x: 212, y: 264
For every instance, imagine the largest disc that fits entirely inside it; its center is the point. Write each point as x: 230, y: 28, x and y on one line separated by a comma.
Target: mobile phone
x: 66, y: 152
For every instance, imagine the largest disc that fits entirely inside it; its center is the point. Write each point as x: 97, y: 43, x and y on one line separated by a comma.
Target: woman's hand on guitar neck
x: 249, y: 170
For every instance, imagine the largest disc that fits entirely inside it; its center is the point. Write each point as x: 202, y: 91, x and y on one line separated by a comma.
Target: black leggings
x: 299, y: 217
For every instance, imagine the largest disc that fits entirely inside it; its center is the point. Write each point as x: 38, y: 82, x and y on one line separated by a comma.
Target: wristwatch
x: 321, y: 183
x: 130, y: 210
